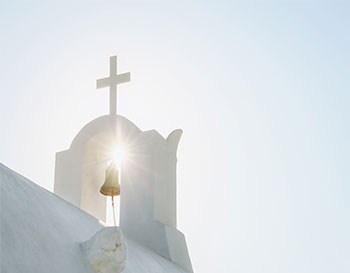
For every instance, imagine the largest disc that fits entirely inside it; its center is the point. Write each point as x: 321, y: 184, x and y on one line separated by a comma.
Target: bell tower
x: 147, y: 177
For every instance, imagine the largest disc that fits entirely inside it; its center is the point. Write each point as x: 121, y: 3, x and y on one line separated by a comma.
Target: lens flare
x: 118, y: 156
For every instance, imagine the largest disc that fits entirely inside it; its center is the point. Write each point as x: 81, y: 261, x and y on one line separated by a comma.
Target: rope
x: 113, y: 210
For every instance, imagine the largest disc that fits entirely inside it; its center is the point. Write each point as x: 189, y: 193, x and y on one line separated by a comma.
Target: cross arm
x: 102, y: 83
x: 118, y: 79
x: 122, y: 78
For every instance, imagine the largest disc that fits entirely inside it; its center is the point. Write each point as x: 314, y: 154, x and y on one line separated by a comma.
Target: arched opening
x: 98, y: 153
x: 80, y: 170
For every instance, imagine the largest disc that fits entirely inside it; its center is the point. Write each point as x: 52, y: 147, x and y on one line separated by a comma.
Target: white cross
x: 112, y: 81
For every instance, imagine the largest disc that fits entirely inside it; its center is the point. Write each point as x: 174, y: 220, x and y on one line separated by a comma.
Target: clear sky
x: 260, y: 88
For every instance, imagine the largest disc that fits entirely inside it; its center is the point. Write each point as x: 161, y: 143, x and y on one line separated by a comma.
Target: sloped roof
x: 41, y: 232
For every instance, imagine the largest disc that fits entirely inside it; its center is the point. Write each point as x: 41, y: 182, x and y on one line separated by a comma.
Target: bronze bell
x: 111, y: 186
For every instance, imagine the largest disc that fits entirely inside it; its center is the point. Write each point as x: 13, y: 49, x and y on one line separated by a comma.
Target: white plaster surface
x: 148, y: 182
x: 40, y: 232
x: 106, y: 250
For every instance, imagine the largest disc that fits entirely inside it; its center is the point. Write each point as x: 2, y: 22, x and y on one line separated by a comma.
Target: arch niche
x: 80, y: 170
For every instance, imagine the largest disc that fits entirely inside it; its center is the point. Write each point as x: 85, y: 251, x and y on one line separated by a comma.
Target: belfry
x: 147, y: 177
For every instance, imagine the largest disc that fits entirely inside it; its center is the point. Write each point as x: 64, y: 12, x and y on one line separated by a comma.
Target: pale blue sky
x: 260, y: 88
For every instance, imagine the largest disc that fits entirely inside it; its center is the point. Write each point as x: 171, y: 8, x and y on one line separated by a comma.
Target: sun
x: 119, y: 154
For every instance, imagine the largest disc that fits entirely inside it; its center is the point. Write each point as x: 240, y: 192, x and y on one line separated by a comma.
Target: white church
x: 65, y: 231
